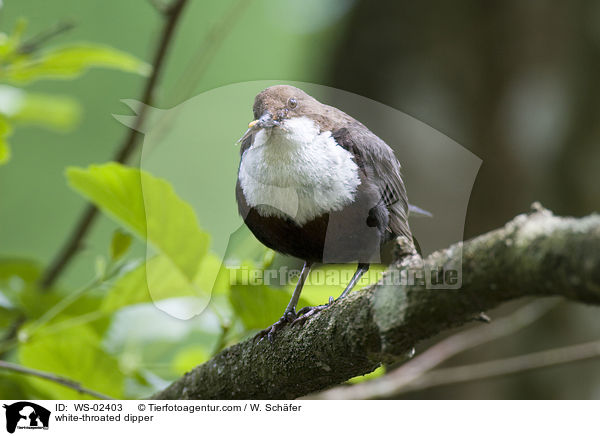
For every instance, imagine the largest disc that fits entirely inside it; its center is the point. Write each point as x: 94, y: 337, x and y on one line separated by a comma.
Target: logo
x: 26, y: 415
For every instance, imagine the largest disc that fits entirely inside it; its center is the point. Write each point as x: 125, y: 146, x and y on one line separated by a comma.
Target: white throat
x: 297, y: 171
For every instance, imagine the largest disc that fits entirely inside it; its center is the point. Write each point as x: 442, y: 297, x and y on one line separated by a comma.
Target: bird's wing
x: 377, y: 160
x: 246, y: 141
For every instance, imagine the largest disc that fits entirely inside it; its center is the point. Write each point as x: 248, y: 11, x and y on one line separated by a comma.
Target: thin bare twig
x: 189, y: 80
x: 391, y: 384
x: 71, y: 384
x: 129, y: 144
x: 500, y: 367
x: 8, y: 340
x: 209, y: 46
x: 40, y: 39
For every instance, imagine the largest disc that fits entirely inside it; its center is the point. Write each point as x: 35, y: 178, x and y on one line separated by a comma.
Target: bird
x: 316, y: 184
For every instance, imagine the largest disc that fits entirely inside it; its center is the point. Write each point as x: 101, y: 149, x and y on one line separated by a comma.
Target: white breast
x: 297, y: 171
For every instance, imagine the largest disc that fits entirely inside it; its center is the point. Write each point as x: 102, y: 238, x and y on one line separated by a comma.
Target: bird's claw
x: 292, y: 318
x: 307, y: 312
x: 269, y: 332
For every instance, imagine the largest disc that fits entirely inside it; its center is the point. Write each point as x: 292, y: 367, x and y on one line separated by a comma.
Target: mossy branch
x: 536, y: 254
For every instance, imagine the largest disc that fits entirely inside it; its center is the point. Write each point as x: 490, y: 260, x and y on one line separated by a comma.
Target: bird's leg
x: 360, y: 270
x: 306, y: 312
x: 289, y: 315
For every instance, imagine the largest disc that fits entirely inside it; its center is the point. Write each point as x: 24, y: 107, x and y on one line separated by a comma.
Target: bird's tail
x: 417, y: 211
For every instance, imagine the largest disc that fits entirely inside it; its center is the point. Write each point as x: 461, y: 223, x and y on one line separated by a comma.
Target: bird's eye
x: 292, y: 103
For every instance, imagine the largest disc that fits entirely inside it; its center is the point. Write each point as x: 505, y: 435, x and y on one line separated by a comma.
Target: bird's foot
x: 269, y: 332
x: 307, y: 312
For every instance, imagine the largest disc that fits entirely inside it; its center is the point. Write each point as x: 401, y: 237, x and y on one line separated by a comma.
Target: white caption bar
x: 262, y: 418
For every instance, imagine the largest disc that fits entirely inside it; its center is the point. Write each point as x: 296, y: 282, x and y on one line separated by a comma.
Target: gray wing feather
x: 246, y: 141
x: 379, y: 163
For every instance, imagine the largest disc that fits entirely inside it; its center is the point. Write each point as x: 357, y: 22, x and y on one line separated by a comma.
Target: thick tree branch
x: 532, y: 255
x: 130, y: 142
x: 392, y: 383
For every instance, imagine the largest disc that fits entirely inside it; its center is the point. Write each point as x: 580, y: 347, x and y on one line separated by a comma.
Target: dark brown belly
x: 285, y: 236
x: 353, y: 234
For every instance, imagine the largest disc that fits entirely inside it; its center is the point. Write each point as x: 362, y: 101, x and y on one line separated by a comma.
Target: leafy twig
x: 129, y: 144
x: 73, y: 296
x: 52, y: 377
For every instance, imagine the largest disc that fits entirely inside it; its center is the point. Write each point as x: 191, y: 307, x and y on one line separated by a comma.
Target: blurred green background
x: 514, y: 82
x: 268, y: 40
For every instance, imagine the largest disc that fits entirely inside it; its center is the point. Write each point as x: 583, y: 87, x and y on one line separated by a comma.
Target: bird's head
x: 274, y: 106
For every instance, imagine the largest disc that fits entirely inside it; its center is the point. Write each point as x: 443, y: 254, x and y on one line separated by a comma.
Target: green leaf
x: 189, y: 358
x: 70, y: 61
x: 52, y: 111
x: 12, y: 386
x: 16, y: 277
x: 16, y: 105
x: 258, y: 306
x: 157, y: 279
x: 19, y: 291
x: 8, y: 315
x: 212, y: 275
x: 119, y: 245
x: 76, y: 354
x: 25, y: 270
x: 5, y: 131
x: 378, y: 372
x: 158, y: 275
x: 19, y: 280
x: 149, y: 207
x: 4, y: 151
x: 10, y: 43
x: 100, y: 267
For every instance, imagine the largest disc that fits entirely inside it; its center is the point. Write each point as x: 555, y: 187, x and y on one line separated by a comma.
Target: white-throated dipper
x: 316, y: 184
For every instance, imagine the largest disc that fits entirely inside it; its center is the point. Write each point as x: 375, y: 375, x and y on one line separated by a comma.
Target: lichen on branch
x: 535, y: 254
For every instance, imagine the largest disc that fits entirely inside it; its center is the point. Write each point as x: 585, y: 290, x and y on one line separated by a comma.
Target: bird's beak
x: 266, y: 121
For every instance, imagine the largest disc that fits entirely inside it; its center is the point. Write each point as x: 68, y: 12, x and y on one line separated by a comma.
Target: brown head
x: 278, y: 103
